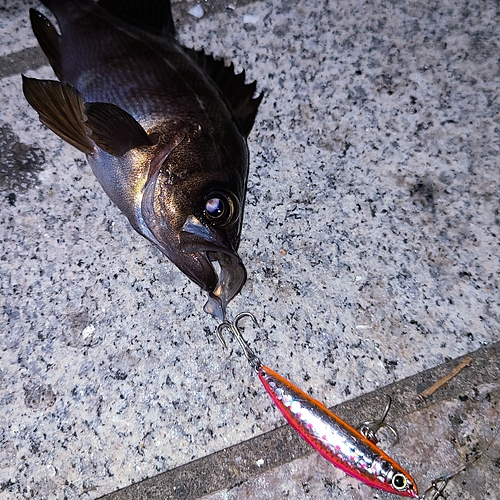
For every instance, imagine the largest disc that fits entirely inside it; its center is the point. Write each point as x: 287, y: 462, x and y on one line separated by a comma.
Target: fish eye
x: 220, y: 209
x: 399, y: 482
x: 215, y: 208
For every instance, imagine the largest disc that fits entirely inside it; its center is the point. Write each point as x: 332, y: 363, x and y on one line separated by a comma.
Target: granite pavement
x: 371, y: 240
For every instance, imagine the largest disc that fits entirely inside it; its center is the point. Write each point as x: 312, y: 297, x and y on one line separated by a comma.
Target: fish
x: 164, y: 128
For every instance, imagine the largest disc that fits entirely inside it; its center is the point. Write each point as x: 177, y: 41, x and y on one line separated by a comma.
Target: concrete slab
x: 370, y: 238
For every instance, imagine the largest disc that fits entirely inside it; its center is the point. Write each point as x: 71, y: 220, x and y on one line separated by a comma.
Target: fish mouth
x: 231, y: 278
x: 195, y: 256
x: 201, y: 248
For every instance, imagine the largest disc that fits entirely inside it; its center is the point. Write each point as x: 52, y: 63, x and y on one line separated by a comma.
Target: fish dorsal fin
x: 150, y: 15
x: 237, y: 93
x: 60, y: 107
x: 49, y: 40
x: 113, y: 129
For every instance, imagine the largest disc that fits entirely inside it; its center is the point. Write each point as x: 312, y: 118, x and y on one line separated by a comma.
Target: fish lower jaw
x: 231, y: 275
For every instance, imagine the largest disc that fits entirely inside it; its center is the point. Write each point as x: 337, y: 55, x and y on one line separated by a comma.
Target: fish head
x: 192, y: 204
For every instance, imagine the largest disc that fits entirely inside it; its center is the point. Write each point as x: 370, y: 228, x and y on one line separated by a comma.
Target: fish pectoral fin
x: 60, y: 107
x: 49, y: 40
x: 113, y: 129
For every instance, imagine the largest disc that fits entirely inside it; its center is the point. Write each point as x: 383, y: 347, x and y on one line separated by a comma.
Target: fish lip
x: 231, y: 276
x: 209, y: 245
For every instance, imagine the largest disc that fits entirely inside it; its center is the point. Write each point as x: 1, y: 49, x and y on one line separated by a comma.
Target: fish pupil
x: 220, y: 209
x: 214, y: 208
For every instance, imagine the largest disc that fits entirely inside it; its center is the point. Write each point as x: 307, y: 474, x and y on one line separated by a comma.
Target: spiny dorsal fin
x: 49, y: 40
x: 232, y: 87
x: 150, y: 15
x: 113, y: 129
x: 60, y: 107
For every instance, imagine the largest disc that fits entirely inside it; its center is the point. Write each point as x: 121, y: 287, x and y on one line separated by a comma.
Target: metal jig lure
x: 342, y: 445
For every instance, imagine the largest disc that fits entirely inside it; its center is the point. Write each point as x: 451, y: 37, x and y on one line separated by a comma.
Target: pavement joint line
x: 25, y: 60
x: 234, y: 465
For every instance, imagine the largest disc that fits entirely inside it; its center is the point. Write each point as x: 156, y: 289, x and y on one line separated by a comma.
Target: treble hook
x: 370, y: 428
x: 252, y: 358
x: 439, y: 484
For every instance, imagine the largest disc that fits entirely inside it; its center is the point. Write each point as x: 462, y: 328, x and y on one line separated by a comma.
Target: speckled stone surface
x: 370, y: 239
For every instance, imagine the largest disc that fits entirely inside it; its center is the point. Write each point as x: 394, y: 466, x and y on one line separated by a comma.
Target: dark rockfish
x: 164, y: 129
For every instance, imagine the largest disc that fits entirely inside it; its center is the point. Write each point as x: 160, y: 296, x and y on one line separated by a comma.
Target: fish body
x: 164, y: 129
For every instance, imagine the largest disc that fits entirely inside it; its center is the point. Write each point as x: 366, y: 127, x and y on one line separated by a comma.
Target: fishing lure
x: 341, y: 444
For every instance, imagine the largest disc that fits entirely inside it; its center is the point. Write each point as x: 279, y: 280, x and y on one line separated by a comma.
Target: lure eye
x: 399, y: 482
x: 220, y: 209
